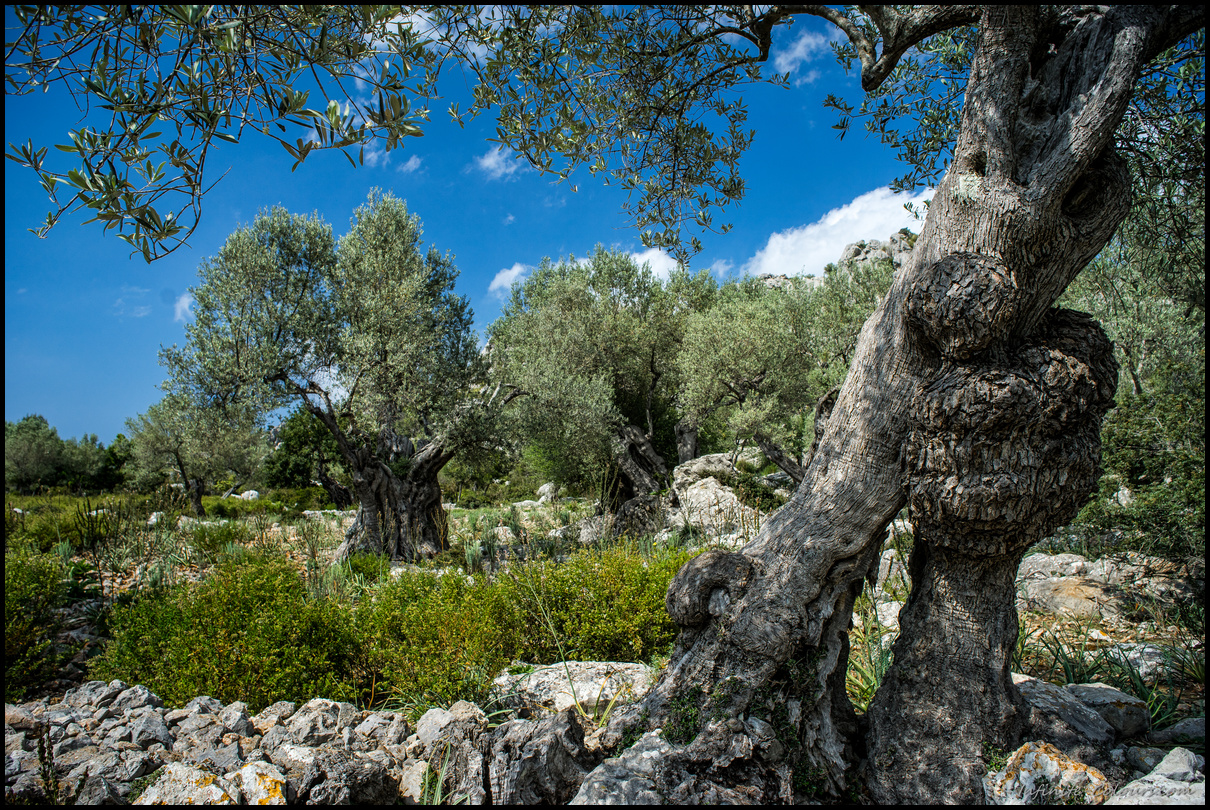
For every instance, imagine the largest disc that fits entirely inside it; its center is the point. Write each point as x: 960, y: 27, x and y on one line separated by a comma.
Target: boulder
x: 1190, y: 731
x: 1060, y: 717
x: 319, y: 721
x: 184, y: 784
x: 260, y: 783
x: 1039, y: 773
x: 1149, y: 660
x: 629, y: 778
x: 1128, y: 715
x: 712, y: 507
x: 548, y: 492
x: 250, y: 495
x: 1074, y: 596
x: 557, y: 688
x: 1179, y: 778
x: 539, y: 762
x: 721, y: 466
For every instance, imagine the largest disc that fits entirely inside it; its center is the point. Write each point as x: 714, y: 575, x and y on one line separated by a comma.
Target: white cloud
x: 805, y: 250
x: 374, y: 155
x: 498, y: 164
x: 131, y: 305
x: 510, y: 219
x: 722, y: 267
x: 801, y: 51
x: 412, y: 164
x: 503, y: 282
x: 180, y: 309
x: 661, y: 263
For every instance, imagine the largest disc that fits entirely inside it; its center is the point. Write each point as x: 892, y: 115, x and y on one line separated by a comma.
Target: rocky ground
x: 93, y: 742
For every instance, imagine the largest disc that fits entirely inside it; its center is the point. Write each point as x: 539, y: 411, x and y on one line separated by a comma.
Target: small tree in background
x: 198, y: 445
x: 765, y: 356
x: 32, y: 453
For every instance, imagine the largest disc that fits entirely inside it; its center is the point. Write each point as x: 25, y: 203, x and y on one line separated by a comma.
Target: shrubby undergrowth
x: 33, y: 588
x: 254, y: 631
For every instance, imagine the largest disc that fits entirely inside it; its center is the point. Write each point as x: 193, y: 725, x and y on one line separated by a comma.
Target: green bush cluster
x: 213, y: 539
x: 33, y: 588
x: 369, y: 566
x: 253, y: 631
x: 247, y: 632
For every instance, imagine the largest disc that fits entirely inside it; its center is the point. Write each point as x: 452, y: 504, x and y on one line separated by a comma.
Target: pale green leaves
x: 369, y: 328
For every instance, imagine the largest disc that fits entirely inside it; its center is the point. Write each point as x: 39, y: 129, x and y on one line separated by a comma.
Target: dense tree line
x: 36, y: 459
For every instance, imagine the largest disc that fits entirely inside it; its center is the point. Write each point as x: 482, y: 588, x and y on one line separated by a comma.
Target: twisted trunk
x: 991, y: 406
x: 642, y: 475
x: 399, y: 515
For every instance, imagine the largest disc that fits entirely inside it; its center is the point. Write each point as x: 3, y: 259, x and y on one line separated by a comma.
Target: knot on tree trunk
x: 1005, y: 450
x: 706, y: 585
x: 968, y: 304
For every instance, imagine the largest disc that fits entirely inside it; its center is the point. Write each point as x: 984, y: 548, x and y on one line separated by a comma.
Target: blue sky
x: 84, y: 321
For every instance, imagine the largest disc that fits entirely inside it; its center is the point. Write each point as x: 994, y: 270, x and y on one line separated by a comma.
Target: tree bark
x: 1033, y: 193
x: 1002, y: 453
x: 193, y: 487
x: 686, y: 440
x: 642, y: 475
x: 400, y: 516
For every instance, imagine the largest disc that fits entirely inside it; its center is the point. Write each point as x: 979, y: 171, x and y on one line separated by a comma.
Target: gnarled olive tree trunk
x: 399, y: 515
x: 969, y: 397
x: 642, y: 474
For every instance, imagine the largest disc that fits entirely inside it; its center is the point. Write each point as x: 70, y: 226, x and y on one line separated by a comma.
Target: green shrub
x: 438, y: 639
x: 33, y: 588
x: 751, y: 491
x: 605, y: 605
x: 213, y: 539
x: 369, y: 566
x: 248, y: 632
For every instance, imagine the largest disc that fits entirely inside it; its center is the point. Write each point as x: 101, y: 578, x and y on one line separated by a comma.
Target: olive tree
x: 197, y: 444
x: 366, y: 335
x: 590, y: 349
x: 970, y: 398
x: 769, y: 356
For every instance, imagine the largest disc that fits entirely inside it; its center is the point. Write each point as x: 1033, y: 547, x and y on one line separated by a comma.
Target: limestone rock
x: 319, y: 721
x: 272, y: 715
x: 539, y: 763
x: 1039, y: 773
x: 260, y: 783
x: 629, y: 778
x: 184, y: 784
x: 1128, y: 715
x: 462, y: 721
x: 595, y: 684
x: 1179, y: 778
x: 721, y: 466
x: 1190, y: 730
x: 712, y: 507
x: 1065, y: 718
x: 1074, y: 596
